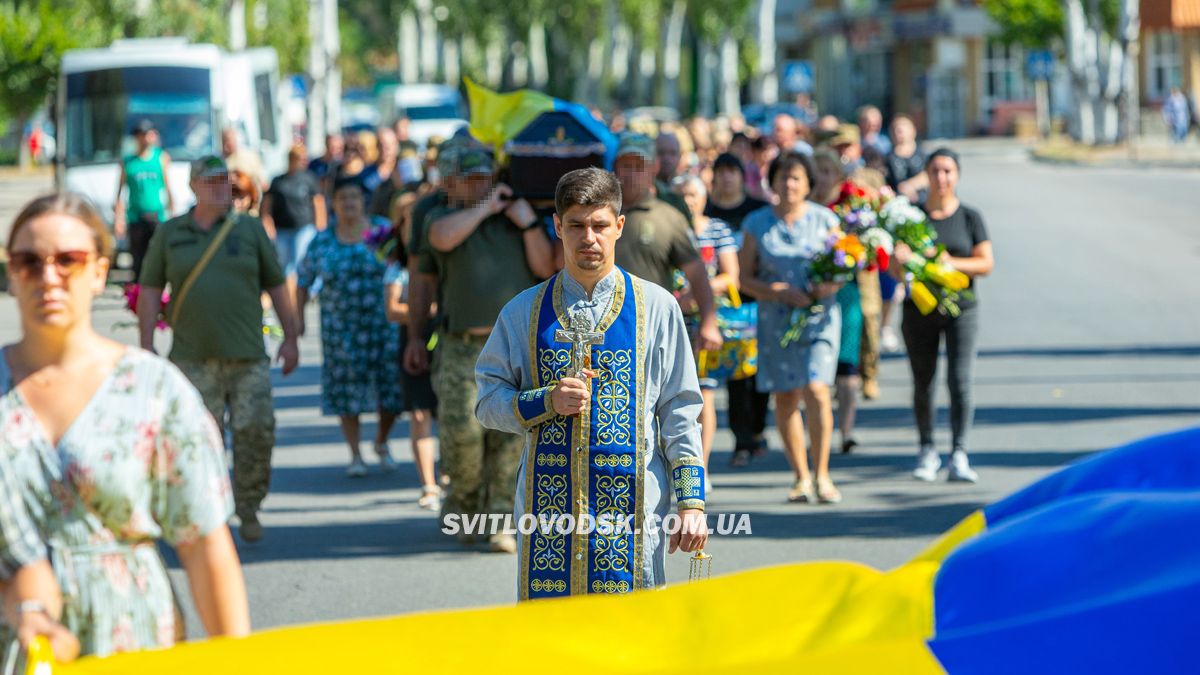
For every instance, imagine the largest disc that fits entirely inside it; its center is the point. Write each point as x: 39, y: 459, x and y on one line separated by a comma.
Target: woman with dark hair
x: 780, y: 243
x: 968, y: 249
x: 109, y: 448
x: 360, y: 367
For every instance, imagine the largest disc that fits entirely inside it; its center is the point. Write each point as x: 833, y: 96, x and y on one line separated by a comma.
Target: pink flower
x: 18, y: 428
x: 145, y: 442
x: 117, y: 572
x: 165, y: 629
x: 123, y: 638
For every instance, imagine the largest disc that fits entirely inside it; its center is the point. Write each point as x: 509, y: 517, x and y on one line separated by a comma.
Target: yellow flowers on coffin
x: 923, y: 298
x: 947, y: 277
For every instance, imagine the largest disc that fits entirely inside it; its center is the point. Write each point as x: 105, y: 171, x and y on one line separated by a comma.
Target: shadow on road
x: 1165, y: 351
x: 811, y: 522
x: 876, y: 418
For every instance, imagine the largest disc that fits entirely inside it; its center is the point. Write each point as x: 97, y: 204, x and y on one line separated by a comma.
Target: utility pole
x: 237, y: 25
x: 324, y: 98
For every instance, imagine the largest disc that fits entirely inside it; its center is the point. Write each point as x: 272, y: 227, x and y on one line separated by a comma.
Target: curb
x: 1118, y: 162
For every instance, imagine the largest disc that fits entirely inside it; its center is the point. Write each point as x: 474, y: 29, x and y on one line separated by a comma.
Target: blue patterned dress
x: 785, y: 251
x: 360, y: 368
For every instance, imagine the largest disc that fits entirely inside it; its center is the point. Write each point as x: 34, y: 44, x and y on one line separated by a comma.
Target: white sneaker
x: 357, y: 469
x: 928, y: 463
x: 960, y: 469
x: 889, y: 341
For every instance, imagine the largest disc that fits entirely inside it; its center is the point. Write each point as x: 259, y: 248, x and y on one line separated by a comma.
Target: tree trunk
x: 673, y: 53
x: 767, y: 79
x: 539, y: 70
x: 452, y: 62
x: 237, y: 25
x: 706, y: 98
x: 1128, y: 33
x: 493, y: 62
x: 730, y: 95
x: 429, y: 40
x: 409, y: 48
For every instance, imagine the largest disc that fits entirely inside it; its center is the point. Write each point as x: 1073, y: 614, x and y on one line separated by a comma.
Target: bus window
x: 103, y: 105
x: 266, y: 109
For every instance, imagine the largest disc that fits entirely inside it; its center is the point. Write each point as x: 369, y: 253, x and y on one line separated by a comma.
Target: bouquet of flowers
x: 859, y: 212
x: 934, y: 285
x: 841, y: 261
x: 133, y: 291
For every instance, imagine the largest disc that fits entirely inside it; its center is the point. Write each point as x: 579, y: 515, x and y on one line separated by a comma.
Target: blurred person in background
x: 144, y: 179
x: 870, y: 128
x: 294, y: 210
x: 360, y: 349
x: 1177, y: 114
x: 785, y: 133
x: 669, y: 150
x: 718, y: 250
x: 245, y: 195
x: 320, y: 167
x: 906, y: 162
x: 417, y: 390
x: 776, y: 253
x: 968, y: 249
x: 748, y: 407
x: 242, y: 159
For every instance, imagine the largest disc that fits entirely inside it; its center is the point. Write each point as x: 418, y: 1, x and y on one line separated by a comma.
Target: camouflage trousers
x: 481, y: 463
x: 871, y: 299
x: 238, y: 394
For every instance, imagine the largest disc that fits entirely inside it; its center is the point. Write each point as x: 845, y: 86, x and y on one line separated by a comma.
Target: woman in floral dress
x: 360, y: 368
x: 109, y: 449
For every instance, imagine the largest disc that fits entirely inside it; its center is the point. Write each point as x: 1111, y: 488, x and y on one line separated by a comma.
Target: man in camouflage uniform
x: 484, y: 248
x: 216, y: 317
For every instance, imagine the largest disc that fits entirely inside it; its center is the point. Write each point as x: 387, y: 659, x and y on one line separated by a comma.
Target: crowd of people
x: 726, y: 217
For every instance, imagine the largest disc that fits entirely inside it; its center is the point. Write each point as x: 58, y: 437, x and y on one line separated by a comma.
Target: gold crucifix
x: 581, y: 340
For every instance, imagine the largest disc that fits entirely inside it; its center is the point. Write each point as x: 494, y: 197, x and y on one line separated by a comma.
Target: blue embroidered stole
x: 589, y: 466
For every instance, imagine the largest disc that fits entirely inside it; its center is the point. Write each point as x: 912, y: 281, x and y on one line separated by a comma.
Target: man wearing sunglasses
x: 218, y: 263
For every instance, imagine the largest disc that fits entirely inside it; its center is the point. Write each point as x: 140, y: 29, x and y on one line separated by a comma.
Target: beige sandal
x: 827, y: 493
x: 802, y: 492
x: 431, y: 498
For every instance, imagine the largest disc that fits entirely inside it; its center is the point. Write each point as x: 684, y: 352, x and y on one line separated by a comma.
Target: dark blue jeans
x: 922, y: 339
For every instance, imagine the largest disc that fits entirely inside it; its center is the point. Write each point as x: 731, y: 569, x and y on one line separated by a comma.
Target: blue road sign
x: 1039, y: 65
x: 798, y: 77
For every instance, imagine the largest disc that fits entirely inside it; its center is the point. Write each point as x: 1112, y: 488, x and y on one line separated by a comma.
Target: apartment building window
x: 1004, y: 74
x: 1164, y: 68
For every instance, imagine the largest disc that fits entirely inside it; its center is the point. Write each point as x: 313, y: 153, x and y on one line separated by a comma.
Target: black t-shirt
x: 292, y: 200
x: 900, y: 169
x: 960, y: 233
x: 734, y: 216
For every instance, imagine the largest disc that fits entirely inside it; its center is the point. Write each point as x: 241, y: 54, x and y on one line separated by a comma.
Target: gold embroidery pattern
x: 613, y: 495
x: 612, y: 553
x: 550, y: 498
x: 614, y: 379
x: 551, y: 495
x: 547, y: 459
x: 556, y: 586
x: 528, y: 488
x: 551, y: 364
x: 550, y: 553
x: 610, y: 586
x: 603, y: 460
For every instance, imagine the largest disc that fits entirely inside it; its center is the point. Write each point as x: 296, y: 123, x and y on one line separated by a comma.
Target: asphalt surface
x: 1090, y: 339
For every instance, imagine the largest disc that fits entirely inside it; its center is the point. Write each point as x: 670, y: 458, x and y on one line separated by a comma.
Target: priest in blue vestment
x: 595, y: 369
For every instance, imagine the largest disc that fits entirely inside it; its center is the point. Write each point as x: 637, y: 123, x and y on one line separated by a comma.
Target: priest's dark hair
x: 588, y: 187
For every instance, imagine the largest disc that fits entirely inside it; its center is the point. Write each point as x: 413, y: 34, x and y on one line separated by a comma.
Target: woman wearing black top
x: 960, y: 229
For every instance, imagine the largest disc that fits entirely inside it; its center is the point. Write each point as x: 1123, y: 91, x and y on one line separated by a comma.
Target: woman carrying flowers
x: 963, y: 246
x: 781, y: 242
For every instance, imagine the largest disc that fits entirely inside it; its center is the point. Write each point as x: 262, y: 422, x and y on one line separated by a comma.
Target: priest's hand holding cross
x: 572, y: 395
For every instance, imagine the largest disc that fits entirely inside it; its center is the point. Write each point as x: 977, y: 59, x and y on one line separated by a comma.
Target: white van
x: 432, y: 110
x: 189, y: 91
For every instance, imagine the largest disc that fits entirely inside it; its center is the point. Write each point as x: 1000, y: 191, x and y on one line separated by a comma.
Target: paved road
x: 1090, y: 340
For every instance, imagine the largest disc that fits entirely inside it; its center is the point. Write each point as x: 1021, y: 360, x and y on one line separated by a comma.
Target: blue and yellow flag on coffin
x: 1093, y: 569
x: 498, y: 118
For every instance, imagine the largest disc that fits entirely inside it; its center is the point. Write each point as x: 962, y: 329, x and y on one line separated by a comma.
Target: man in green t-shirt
x: 215, y: 314
x: 484, y: 248
x: 144, y: 176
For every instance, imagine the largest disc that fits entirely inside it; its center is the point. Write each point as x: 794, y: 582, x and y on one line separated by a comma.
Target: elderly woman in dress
x: 107, y: 448
x: 780, y: 243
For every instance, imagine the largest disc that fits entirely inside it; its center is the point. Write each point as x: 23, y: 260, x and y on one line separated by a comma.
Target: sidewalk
x: 1147, y: 152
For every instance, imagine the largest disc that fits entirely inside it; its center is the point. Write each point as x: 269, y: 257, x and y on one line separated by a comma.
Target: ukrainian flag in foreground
x: 1093, y: 569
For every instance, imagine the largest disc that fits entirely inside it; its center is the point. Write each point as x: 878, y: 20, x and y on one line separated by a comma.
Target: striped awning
x: 1167, y: 14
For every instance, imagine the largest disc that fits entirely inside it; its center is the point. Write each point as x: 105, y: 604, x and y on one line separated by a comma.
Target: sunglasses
x: 27, y: 264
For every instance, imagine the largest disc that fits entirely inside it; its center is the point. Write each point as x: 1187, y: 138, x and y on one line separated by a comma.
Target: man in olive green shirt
x: 217, y: 326
x: 484, y: 248
x: 657, y: 240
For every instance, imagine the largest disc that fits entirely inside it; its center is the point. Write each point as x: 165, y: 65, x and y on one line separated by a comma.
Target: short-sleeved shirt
x: 656, y: 241
x: 147, y: 185
x: 716, y: 239
x: 669, y: 196
x: 481, y: 274
x: 292, y: 200
x: 900, y: 169
x: 418, y: 239
x: 960, y: 233
x: 734, y: 216
x: 221, y: 317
